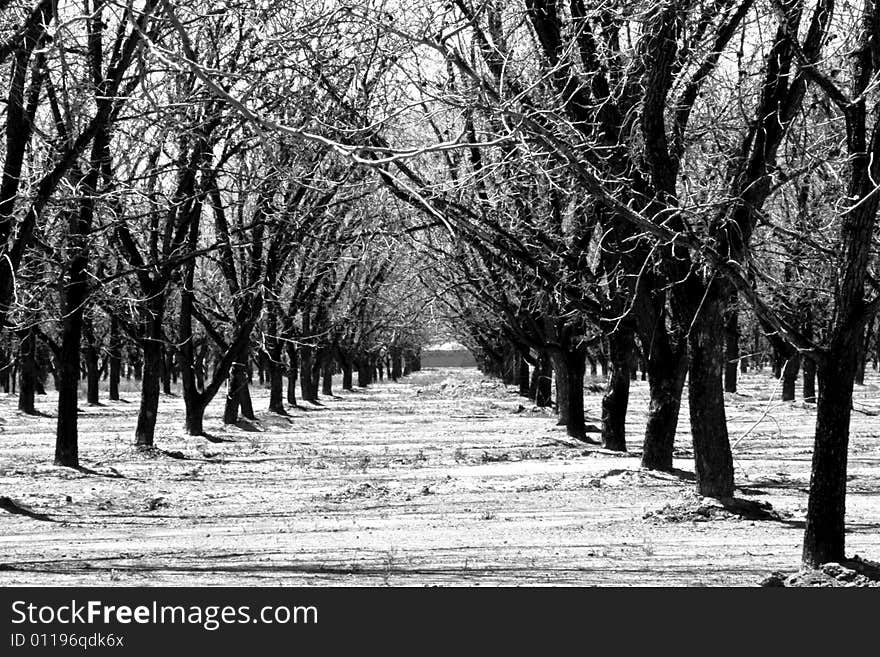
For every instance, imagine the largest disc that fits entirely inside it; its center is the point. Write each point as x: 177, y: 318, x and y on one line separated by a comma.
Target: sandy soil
x: 440, y: 479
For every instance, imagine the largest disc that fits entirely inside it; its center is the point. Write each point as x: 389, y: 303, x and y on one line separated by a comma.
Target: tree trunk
x: 199, y: 364
x: 862, y: 357
x: 74, y: 293
x: 522, y: 376
x: 27, y: 371
x: 306, y: 380
x: 396, y: 364
x: 191, y: 368
x: 93, y: 376
x: 4, y: 371
x: 150, y: 387
x: 115, y: 358
x: 542, y: 381
x: 347, y: 374
x: 824, y: 538
x: 560, y: 377
x: 327, y: 376
x: 167, y: 368
x: 712, y: 455
x: 137, y: 363
x: 272, y: 363
x: 245, y: 404
x: 570, y: 366
x: 789, y: 375
x: 236, y: 393
x: 276, y: 384
x: 809, y: 381
x: 616, y: 398
x: 363, y: 370
x: 667, y: 368
x: 731, y: 344
x: 877, y: 347
x: 316, y: 373
x: 292, y: 369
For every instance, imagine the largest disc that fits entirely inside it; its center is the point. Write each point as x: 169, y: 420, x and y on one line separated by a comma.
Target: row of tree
x: 649, y: 181
x: 147, y: 225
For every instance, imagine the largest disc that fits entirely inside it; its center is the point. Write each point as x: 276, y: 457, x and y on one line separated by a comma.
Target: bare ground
x: 444, y: 478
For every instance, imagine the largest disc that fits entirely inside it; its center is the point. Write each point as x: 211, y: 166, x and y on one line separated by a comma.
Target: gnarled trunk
x: 824, y: 538
x: 616, y: 398
x: 712, y: 455
x: 150, y: 386
x: 570, y: 366
x: 666, y: 364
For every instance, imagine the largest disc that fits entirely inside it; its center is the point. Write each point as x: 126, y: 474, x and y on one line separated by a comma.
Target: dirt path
x: 436, y: 480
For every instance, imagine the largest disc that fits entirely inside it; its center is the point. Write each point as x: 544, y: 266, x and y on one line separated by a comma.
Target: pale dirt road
x: 435, y: 480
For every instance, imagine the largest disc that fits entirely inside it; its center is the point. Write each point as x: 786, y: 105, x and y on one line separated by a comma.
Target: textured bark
x: 824, y: 538
x: 150, y: 386
x: 560, y: 379
x: 712, y: 455
x: 666, y: 375
x: 152, y: 315
x: 616, y: 398
x: 667, y: 369
x: 570, y: 366
x: 74, y: 294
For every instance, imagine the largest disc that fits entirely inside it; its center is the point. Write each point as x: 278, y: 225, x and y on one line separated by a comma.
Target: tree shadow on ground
x: 114, y: 474
x: 36, y: 413
x: 211, y: 438
x: 865, y: 567
x: 311, y: 408
x: 11, y: 506
x: 752, y: 509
